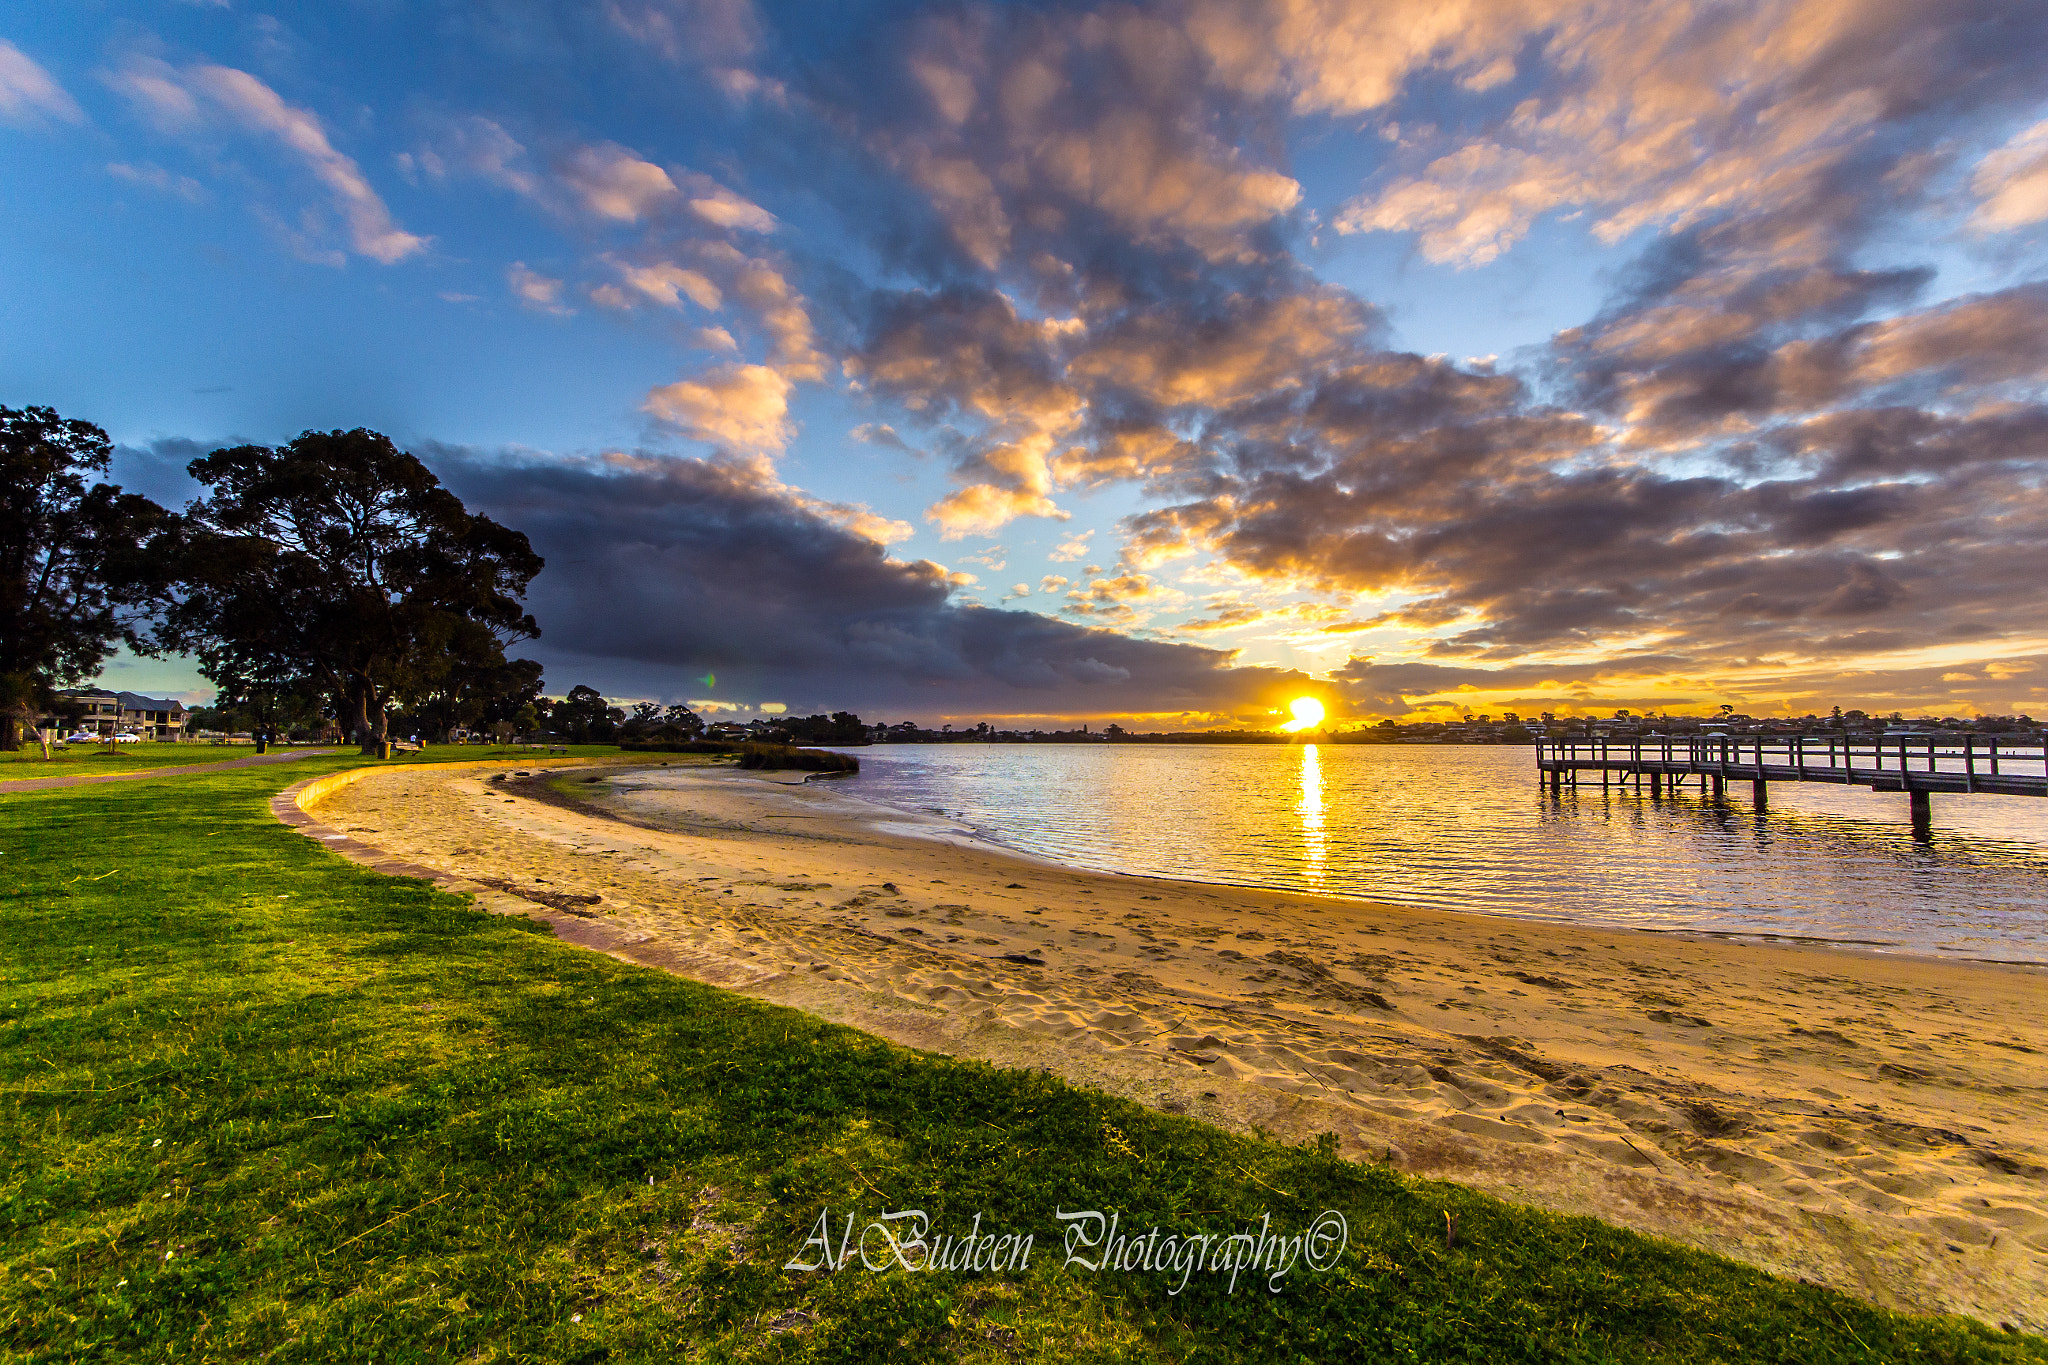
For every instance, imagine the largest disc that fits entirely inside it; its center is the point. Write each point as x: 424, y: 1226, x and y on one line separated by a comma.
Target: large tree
x: 342, y: 560
x: 466, y: 680
x: 585, y: 717
x: 71, y: 564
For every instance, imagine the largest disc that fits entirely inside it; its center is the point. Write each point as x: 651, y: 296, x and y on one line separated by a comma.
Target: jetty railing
x: 1916, y: 764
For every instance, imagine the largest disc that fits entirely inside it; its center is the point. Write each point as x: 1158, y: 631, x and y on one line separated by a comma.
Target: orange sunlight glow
x: 1308, y: 714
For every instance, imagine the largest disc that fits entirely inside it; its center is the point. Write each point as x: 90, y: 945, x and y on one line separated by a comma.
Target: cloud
x: 178, y: 100
x: 1334, y: 58
x: 861, y: 520
x: 157, y: 178
x: 256, y: 106
x: 719, y: 206
x: 882, y: 434
x: 1043, y: 403
x: 1229, y: 614
x: 2012, y: 183
x: 660, y: 569
x: 1072, y: 548
x: 1500, y: 552
x: 1244, y: 346
x: 160, y: 93
x: 1667, y: 115
x: 762, y: 287
x: 1471, y: 205
x: 737, y: 407
x: 689, y: 30
x: 613, y: 183
x: 668, y: 284
x: 984, y: 508
x: 480, y: 147
x: 618, y: 185
x: 1760, y: 443
x: 1029, y: 123
x: 536, y: 291
x: 1649, y: 683
x: 1127, y: 599
x: 604, y: 179
x: 29, y: 95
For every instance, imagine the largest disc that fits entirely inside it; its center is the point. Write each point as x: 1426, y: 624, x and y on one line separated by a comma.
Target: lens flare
x: 1308, y: 714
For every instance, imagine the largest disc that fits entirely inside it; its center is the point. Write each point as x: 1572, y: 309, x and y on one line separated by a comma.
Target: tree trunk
x: 370, y: 722
x: 18, y: 696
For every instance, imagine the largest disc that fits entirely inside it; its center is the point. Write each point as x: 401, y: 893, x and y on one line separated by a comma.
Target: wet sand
x: 1878, y: 1124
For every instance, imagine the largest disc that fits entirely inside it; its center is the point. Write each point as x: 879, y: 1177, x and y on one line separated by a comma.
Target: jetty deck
x: 1919, y: 765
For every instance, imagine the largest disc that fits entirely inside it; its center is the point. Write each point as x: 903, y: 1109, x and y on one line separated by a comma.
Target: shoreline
x: 1816, y: 1126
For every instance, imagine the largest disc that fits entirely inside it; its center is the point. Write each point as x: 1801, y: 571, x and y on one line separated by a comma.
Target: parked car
x: 126, y: 738
x: 82, y: 737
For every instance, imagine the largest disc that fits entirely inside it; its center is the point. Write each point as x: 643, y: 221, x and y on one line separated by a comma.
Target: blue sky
x: 1432, y: 357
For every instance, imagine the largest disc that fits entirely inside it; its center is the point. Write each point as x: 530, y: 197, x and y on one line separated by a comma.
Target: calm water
x: 1469, y: 829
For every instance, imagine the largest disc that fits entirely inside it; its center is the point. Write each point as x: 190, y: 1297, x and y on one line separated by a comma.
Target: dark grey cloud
x: 157, y: 470
x: 662, y: 569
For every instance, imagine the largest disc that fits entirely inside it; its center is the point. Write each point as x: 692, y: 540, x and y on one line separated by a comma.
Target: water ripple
x: 1469, y: 829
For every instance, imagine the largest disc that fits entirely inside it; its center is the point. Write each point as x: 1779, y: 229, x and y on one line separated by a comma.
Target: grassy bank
x: 259, y: 1102
x: 28, y: 761
x: 80, y: 759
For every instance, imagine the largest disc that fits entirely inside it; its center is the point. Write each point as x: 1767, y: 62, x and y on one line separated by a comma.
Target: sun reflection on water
x: 1314, y: 843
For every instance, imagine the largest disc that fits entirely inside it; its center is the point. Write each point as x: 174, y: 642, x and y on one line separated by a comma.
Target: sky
x: 1147, y: 362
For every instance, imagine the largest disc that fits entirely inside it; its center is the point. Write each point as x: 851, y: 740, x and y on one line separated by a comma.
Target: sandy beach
x: 1874, y: 1123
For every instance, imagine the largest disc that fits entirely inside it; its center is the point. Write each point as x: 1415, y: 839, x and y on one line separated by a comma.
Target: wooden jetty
x: 1917, y: 764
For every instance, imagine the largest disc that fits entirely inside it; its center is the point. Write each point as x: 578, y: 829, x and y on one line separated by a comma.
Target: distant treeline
x: 752, y: 755
x: 585, y: 717
x: 1387, y: 733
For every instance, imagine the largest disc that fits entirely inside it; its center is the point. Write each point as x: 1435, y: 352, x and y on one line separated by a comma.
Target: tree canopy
x: 72, y: 569
x: 585, y: 717
x: 341, y: 562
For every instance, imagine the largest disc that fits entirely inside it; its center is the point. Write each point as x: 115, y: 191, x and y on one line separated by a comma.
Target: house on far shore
x: 108, y: 713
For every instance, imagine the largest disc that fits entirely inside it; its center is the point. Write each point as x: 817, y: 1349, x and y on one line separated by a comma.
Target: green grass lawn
x: 126, y: 758
x: 483, y: 753
x: 28, y: 760
x: 261, y: 1103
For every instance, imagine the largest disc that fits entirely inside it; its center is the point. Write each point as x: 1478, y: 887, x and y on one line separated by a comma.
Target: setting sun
x: 1308, y: 714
